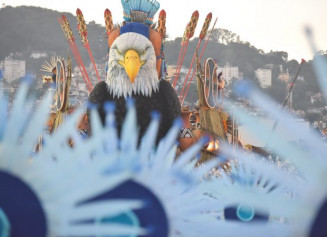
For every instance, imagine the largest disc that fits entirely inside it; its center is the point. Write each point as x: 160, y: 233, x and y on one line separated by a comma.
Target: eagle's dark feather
x: 164, y: 101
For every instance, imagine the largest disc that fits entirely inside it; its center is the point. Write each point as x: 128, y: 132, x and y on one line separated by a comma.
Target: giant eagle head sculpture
x: 132, y: 66
x: 134, y: 69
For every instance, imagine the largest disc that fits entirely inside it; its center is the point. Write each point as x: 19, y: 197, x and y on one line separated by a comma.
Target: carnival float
x: 205, y: 119
x: 113, y: 168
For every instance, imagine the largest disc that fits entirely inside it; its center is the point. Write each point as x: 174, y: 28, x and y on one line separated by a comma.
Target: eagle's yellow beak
x: 132, y: 64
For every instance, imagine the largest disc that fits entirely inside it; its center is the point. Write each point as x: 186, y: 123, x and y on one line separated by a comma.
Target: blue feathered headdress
x: 140, y: 10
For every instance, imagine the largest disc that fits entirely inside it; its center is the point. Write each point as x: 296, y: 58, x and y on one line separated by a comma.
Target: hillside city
x: 272, y: 72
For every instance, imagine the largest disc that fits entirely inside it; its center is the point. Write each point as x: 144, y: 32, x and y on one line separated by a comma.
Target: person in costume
x: 134, y: 69
x: 54, y: 75
x: 50, y: 67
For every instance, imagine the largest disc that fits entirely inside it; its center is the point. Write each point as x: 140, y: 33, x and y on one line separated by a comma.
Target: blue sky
x: 268, y: 25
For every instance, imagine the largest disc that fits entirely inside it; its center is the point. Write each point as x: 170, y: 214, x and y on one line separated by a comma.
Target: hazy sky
x: 266, y: 24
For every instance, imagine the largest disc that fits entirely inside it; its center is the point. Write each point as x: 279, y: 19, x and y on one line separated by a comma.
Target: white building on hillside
x: 264, y: 77
x: 13, y: 69
x: 229, y: 73
x: 38, y: 54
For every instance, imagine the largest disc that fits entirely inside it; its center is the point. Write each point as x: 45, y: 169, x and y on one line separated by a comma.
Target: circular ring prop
x: 211, y: 83
x: 61, y: 85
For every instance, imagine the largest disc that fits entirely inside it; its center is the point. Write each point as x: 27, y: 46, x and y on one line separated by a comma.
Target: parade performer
x: 134, y: 71
x: 50, y: 67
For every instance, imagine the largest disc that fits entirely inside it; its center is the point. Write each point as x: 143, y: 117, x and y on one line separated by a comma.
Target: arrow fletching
x: 108, y: 21
x: 162, y: 23
x: 81, y: 26
x: 205, y: 26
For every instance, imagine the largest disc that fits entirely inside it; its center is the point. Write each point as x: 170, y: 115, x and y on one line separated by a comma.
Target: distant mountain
x: 240, y: 54
x: 28, y: 29
x: 37, y: 29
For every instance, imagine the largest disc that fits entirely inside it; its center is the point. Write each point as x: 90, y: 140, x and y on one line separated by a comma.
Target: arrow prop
x: 188, y: 34
x: 201, y: 37
x: 70, y: 39
x: 162, y: 31
x: 202, y: 52
x: 82, y: 30
x: 289, y: 93
x: 108, y: 21
x: 162, y: 24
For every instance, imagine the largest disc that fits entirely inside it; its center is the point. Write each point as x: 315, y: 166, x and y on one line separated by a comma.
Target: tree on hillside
x: 278, y: 57
x: 292, y: 66
x: 224, y: 36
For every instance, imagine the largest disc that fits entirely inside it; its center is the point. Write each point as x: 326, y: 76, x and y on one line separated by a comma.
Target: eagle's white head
x: 132, y: 66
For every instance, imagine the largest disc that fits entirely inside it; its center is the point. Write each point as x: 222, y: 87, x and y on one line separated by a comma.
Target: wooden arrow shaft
x: 179, y: 67
x: 190, y: 69
x: 178, y: 62
x: 87, y: 46
x: 89, y: 87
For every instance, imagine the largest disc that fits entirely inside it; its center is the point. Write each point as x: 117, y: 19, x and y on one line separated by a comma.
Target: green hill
x: 28, y: 29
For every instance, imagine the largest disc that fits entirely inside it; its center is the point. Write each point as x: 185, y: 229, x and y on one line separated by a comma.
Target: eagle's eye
x: 117, y: 51
x: 144, y: 51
